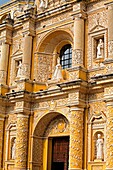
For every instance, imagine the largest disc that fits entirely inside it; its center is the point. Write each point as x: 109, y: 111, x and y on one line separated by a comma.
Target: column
x: 26, y: 61
x: 78, y: 49
x: 110, y: 31
x: 4, y: 63
x: 109, y: 136
x: 76, y: 139
x: 21, y: 142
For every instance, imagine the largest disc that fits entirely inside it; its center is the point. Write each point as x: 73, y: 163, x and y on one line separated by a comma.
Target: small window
x: 66, y: 56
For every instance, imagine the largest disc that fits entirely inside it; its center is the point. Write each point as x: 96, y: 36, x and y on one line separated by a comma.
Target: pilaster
x: 76, y: 139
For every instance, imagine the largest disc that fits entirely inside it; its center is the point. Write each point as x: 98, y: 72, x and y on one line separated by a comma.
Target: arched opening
x: 48, y: 50
x: 51, y: 143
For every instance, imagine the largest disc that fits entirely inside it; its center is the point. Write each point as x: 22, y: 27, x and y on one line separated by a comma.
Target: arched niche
x: 10, y: 138
x: 96, y: 125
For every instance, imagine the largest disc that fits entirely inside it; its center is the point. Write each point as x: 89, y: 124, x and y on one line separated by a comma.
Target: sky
x: 3, y: 1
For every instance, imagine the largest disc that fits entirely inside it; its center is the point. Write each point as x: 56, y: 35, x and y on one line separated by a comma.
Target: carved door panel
x: 60, y: 153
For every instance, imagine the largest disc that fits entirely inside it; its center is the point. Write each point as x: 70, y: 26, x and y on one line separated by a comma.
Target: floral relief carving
x: 62, y: 102
x: 58, y: 126
x: 44, y: 68
x: 17, y: 46
x: 21, y: 142
x: 109, y: 68
x: 97, y: 107
x: 73, y: 75
x: 43, y: 105
x: 94, y: 167
x: 2, y: 76
x: 77, y: 57
x: 76, y: 126
x: 108, y: 91
x: 26, y: 70
x: 94, y: 97
x: 98, y: 19
x: 73, y: 97
x: 12, y: 119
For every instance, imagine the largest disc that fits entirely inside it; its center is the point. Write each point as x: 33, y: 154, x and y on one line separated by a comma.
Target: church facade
x: 56, y: 85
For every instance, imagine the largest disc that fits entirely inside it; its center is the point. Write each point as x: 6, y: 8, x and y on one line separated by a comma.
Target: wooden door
x: 60, y: 153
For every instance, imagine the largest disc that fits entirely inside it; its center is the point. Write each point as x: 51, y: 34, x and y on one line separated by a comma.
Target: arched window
x: 66, y: 56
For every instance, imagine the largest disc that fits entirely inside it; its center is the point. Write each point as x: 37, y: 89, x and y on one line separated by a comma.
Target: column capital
x: 79, y: 11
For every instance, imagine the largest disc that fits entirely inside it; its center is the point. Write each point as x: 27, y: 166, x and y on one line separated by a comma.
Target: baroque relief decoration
x: 77, y: 57
x: 76, y: 136
x: 58, y: 126
x: 21, y: 141
x: 44, y: 67
x: 97, y: 21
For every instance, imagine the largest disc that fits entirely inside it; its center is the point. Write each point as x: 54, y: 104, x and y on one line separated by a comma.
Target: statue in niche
x: 58, y: 71
x: 19, y: 69
x: 100, y: 49
x: 99, y: 145
x: 13, y: 149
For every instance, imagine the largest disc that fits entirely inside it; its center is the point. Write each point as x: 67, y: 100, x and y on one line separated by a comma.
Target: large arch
x: 48, y: 50
x: 54, y: 39
x: 52, y: 124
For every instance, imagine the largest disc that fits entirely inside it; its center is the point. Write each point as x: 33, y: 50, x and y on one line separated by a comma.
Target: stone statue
x: 13, y: 149
x: 19, y: 71
x: 99, y: 145
x: 58, y: 71
x: 100, y: 49
x: 43, y: 4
